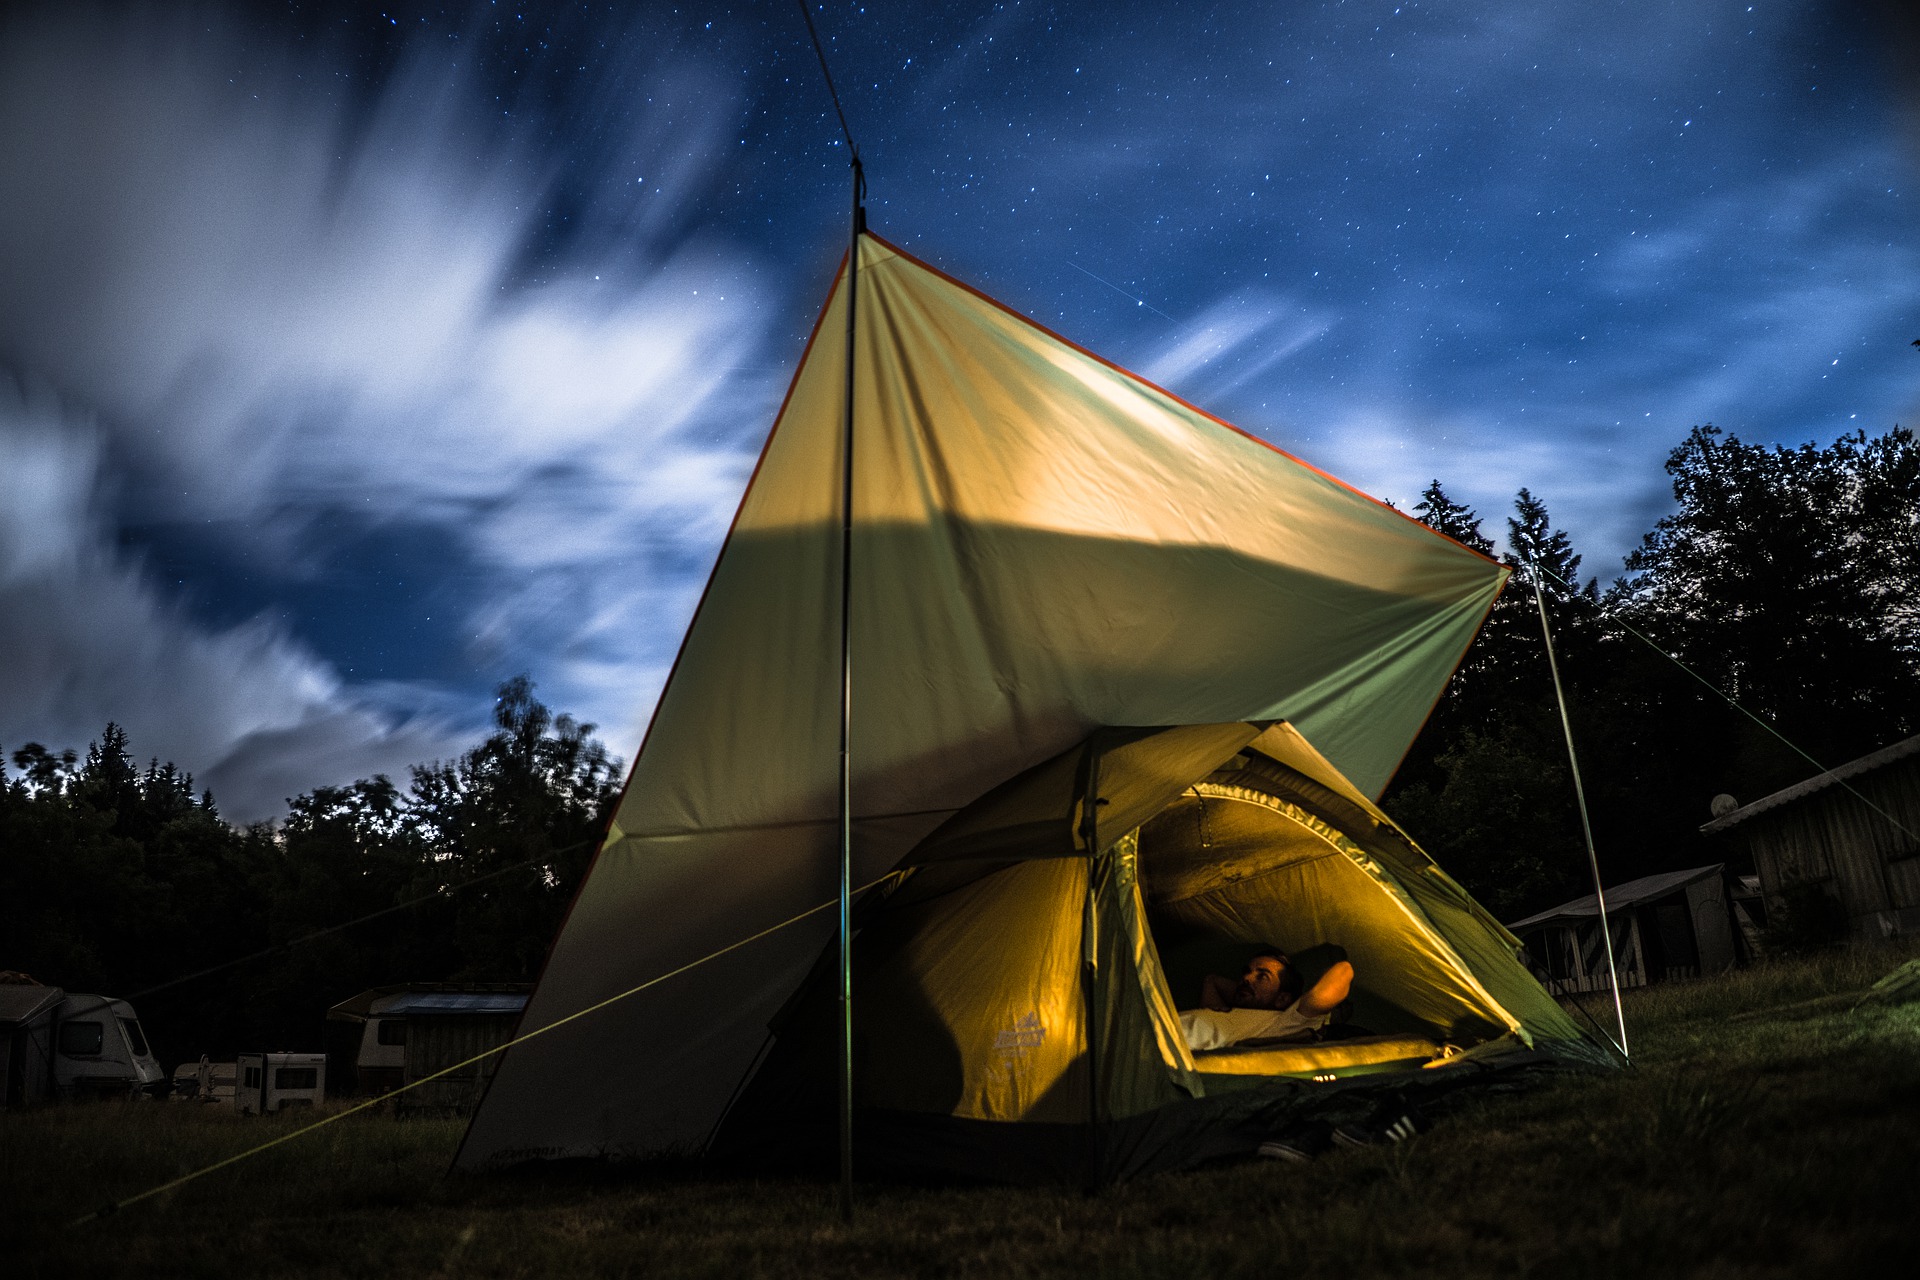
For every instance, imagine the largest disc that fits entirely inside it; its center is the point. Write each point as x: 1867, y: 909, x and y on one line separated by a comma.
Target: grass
x: 1767, y: 1129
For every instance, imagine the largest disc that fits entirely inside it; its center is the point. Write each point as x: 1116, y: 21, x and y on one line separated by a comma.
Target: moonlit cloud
x: 1233, y: 342
x: 273, y: 315
x: 86, y: 638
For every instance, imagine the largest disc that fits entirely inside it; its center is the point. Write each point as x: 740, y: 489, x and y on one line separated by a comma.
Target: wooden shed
x: 413, y: 1031
x: 1679, y: 924
x: 1850, y: 832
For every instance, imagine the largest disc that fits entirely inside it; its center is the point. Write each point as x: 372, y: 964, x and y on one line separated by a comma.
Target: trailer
x: 56, y: 1044
x: 270, y: 1082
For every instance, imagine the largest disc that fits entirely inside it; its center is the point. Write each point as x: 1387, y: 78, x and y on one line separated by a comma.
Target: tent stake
x: 1580, y: 797
x: 846, y: 713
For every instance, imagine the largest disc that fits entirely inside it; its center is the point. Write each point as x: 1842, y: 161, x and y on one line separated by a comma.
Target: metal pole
x: 1090, y: 1003
x: 1580, y: 796
x: 846, y: 713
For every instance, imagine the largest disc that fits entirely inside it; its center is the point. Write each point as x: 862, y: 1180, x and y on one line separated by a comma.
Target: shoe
x: 1386, y: 1126
x: 1299, y: 1143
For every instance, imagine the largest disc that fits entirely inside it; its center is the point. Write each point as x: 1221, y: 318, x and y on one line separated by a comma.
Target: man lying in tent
x: 1265, y: 1003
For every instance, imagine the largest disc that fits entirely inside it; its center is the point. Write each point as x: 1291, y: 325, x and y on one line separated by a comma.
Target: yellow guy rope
x: 117, y: 1205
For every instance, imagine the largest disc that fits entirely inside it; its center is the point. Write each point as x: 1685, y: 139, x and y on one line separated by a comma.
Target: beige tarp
x: 1045, y: 544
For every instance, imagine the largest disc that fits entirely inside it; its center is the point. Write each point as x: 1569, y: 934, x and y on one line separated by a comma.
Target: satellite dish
x: 1722, y: 805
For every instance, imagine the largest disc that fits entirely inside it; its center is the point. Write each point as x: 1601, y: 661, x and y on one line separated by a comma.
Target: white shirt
x: 1211, y: 1029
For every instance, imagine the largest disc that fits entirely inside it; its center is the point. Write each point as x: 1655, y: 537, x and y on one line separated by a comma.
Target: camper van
x: 101, y: 1052
x: 270, y: 1082
x: 56, y: 1044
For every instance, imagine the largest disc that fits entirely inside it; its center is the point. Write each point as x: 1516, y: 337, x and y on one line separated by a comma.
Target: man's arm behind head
x: 1329, y: 992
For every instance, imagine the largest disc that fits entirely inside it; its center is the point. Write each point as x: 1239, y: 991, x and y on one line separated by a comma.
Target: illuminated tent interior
x: 972, y: 1001
x: 1044, y: 546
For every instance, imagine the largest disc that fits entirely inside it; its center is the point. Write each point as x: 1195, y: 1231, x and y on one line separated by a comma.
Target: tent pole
x: 1090, y: 963
x: 859, y: 225
x: 1580, y: 797
x: 846, y: 712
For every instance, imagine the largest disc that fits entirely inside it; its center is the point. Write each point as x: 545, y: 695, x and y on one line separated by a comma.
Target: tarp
x: 1044, y: 544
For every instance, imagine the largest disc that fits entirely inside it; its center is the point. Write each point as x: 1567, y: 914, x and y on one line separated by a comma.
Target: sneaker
x: 1299, y: 1143
x: 1385, y: 1126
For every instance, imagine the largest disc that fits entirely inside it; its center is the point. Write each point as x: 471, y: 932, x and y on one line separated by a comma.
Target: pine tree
x: 1442, y: 514
x: 1532, y: 541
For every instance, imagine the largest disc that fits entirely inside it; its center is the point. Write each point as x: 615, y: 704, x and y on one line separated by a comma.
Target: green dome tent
x: 1044, y: 547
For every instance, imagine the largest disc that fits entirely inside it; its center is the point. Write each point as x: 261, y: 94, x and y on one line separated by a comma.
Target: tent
x: 1052, y: 559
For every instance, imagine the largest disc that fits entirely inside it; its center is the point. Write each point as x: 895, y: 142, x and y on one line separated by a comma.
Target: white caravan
x: 101, y: 1052
x: 58, y: 1044
x: 276, y: 1081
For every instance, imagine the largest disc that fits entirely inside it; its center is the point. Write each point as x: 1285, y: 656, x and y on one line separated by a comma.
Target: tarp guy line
x: 1790, y: 743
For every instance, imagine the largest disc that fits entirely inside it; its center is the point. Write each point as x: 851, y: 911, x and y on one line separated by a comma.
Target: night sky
x: 353, y: 359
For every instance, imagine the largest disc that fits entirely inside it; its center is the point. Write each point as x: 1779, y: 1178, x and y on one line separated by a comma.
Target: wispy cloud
x: 1233, y: 342
x: 256, y: 305
x: 86, y: 637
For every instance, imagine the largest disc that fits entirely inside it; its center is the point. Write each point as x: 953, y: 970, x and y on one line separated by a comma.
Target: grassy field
x: 1767, y: 1129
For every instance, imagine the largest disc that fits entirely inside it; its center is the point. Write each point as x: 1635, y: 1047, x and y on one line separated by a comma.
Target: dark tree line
x: 115, y: 878
x: 1788, y: 579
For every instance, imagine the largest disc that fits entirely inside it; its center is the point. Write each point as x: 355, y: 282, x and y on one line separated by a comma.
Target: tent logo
x: 1025, y: 1034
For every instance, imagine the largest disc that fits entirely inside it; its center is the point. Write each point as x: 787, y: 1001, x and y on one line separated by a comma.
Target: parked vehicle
x: 205, y: 1081
x: 277, y: 1081
x: 101, y: 1052
x: 58, y: 1044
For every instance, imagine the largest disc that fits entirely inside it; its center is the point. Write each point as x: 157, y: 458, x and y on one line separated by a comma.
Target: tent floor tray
x: 1318, y: 1058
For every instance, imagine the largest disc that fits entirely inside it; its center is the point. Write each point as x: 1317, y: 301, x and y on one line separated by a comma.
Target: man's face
x: 1259, y: 986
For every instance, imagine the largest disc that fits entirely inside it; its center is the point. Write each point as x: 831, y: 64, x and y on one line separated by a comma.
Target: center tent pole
x: 859, y: 225
x: 1090, y: 1003
x: 859, y: 221
x: 1580, y: 796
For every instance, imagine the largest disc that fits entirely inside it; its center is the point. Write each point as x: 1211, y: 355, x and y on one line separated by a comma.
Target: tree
x: 112, y: 880
x: 115, y: 879
x: 109, y: 780
x: 1442, y: 514
x: 1790, y: 579
x: 528, y: 805
x: 1486, y: 788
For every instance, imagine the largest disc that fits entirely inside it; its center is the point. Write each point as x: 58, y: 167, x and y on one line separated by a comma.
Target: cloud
x: 86, y: 638
x: 1234, y: 341
x: 1604, y: 501
x: 275, y: 312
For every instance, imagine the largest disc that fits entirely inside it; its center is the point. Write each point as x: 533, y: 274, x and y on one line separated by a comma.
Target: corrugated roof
x: 1819, y: 782
x: 419, y: 1004
x: 380, y: 1000
x: 1630, y: 894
